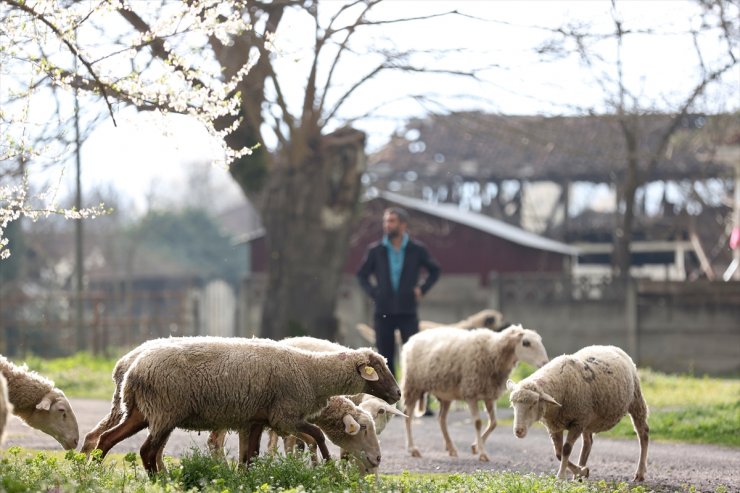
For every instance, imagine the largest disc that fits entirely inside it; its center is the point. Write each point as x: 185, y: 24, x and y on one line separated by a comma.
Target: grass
x: 29, y: 471
x: 682, y: 407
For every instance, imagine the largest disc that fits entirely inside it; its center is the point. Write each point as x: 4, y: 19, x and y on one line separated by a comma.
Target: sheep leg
x: 306, y: 439
x: 638, y: 413
x: 479, y: 447
x: 160, y: 454
x: 216, y: 443
x: 444, y: 409
x: 151, y: 450
x: 250, y: 449
x: 491, y: 408
x: 588, y: 441
x: 409, y: 405
x: 289, y: 444
x: 109, y: 421
x: 133, y: 423
x: 315, y: 432
x: 272, y: 442
x: 565, y: 463
x: 557, y: 444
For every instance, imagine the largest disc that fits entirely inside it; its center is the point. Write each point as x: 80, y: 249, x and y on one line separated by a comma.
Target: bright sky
x: 138, y: 152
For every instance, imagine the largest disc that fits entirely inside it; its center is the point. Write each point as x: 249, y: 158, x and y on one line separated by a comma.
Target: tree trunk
x: 622, y: 259
x: 310, y: 207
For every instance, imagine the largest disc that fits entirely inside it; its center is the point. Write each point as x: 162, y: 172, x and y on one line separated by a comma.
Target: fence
x: 668, y: 326
x: 44, y: 323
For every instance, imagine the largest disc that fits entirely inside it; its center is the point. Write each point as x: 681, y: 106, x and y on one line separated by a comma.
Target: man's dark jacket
x: 386, y: 300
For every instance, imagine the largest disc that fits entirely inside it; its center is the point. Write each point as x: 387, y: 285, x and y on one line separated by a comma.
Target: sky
x: 145, y: 154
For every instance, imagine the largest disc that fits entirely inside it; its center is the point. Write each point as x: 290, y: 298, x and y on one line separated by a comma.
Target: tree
x: 717, y: 21
x: 213, y: 60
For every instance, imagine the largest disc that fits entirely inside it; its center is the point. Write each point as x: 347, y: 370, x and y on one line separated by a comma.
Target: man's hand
x: 417, y: 293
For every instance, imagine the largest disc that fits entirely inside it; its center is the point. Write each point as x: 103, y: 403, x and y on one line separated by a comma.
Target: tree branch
x: 21, y: 5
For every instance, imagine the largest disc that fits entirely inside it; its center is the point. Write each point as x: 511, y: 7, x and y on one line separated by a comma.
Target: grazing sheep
x: 40, y: 404
x: 381, y: 411
x: 5, y: 406
x: 242, y: 384
x: 583, y: 393
x: 378, y: 409
x: 490, y: 319
x: 469, y: 365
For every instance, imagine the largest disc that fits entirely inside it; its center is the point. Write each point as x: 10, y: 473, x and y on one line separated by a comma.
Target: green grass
x: 29, y: 471
x: 80, y: 375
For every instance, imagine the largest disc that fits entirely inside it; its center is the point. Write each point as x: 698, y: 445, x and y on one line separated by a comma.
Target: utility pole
x: 81, y: 332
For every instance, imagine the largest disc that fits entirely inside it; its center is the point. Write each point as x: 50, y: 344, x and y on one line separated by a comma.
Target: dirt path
x: 670, y: 466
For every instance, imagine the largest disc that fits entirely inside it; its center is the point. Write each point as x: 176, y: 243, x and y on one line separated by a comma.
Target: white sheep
x: 6, y: 407
x: 381, y: 411
x: 242, y: 384
x: 330, y: 420
x: 583, y: 393
x: 40, y: 404
x: 352, y: 429
x: 488, y: 318
x: 470, y: 365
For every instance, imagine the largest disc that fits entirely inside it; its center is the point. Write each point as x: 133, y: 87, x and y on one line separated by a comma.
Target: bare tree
x: 307, y: 186
x: 645, y: 146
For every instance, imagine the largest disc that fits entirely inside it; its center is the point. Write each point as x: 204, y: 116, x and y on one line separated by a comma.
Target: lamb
x: 491, y: 319
x: 472, y: 365
x: 583, y: 393
x: 381, y: 411
x: 5, y: 406
x: 40, y: 404
x: 350, y: 428
x: 241, y: 384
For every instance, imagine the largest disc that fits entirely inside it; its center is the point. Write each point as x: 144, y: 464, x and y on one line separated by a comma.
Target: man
x: 396, y: 265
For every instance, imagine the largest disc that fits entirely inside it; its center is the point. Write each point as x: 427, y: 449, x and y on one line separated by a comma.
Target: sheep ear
x: 510, y: 385
x: 396, y: 411
x: 45, y: 403
x: 368, y: 373
x: 351, y: 427
x: 548, y: 398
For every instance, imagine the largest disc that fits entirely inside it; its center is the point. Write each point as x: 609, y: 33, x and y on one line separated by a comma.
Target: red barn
x: 464, y: 242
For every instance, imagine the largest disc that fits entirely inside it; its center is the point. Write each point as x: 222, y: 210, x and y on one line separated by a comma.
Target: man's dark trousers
x: 385, y: 328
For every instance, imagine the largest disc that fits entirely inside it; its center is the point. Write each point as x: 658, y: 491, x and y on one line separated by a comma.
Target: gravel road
x: 671, y: 467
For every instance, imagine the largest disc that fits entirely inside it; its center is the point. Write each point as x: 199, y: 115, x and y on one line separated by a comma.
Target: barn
x: 465, y: 243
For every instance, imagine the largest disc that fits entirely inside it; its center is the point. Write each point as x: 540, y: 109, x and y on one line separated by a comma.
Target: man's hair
x: 400, y: 213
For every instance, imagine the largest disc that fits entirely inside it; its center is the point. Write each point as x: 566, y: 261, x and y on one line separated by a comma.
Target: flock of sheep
x: 309, y: 389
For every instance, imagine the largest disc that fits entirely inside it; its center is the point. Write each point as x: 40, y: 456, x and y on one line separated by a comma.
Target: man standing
x: 396, y: 263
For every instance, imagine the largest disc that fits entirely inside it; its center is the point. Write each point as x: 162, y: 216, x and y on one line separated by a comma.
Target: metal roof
x: 481, y: 222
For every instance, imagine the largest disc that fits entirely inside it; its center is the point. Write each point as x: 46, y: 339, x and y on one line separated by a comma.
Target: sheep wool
x: 469, y: 365
x: 583, y: 393
x: 5, y: 406
x: 241, y: 384
x: 39, y: 403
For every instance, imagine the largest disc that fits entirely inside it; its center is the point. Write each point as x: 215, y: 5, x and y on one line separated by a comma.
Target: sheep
x: 379, y: 410
x: 583, y: 393
x: 469, y: 365
x: 219, y: 383
x: 40, y: 404
x: 488, y: 318
x: 352, y: 429
x: 5, y: 406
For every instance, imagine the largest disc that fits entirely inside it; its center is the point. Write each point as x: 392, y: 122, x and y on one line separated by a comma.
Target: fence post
x: 495, y: 288
x: 632, y: 322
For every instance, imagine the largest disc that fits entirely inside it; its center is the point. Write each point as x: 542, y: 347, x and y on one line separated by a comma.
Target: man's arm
x: 432, y: 268
x: 363, y: 274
